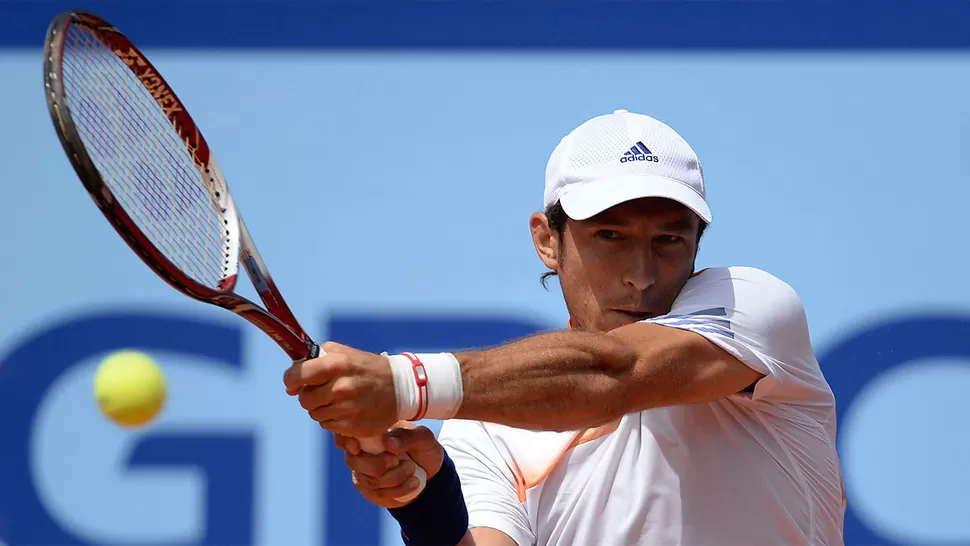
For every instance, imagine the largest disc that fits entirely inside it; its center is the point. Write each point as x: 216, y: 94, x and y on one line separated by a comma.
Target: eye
x: 670, y: 239
x: 608, y: 234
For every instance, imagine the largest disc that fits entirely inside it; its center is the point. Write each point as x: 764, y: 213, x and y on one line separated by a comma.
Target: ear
x: 545, y: 239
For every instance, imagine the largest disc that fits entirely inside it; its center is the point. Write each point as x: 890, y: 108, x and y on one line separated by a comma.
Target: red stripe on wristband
x: 421, y: 378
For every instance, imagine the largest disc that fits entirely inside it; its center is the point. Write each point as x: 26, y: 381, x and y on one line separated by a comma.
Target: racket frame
x: 277, y: 320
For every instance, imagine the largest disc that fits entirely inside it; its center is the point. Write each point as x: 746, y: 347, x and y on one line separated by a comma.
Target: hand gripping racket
x: 146, y: 166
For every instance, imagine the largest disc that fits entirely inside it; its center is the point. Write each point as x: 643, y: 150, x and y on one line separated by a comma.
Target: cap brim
x: 588, y: 200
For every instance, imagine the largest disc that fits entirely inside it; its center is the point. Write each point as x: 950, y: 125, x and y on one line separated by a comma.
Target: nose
x: 641, y: 271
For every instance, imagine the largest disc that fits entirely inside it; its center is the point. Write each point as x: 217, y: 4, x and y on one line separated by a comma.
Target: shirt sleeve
x: 486, y: 481
x: 761, y: 321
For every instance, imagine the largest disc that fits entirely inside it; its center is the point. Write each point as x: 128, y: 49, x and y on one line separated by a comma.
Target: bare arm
x: 573, y: 380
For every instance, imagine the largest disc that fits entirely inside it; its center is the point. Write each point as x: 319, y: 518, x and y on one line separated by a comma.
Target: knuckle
x: 397, y: 476
x: 339, y: 362
x: 362, y: 468
x: 390, y: 480
x: 338, y: 426
x: 344, y: 388
x: 366, y: 482
x: 398, y: 491
x: 333, y: 364
x: 375, y: 467
x: 403, y: 472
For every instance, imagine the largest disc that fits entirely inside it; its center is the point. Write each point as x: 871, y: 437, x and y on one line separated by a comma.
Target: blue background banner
x: 518, y: 24
x: 387, y: 155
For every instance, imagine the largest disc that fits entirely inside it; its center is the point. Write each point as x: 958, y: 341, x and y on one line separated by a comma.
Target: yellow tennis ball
x: 129, y: 388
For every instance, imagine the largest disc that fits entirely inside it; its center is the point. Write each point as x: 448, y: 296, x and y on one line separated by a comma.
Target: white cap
x: 618, y: 157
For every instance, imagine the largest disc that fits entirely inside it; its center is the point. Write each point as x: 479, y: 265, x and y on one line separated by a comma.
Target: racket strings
x: 142, y: 159
x: 159, y: 200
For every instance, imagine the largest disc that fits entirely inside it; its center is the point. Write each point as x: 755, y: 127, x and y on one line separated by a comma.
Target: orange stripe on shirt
x: 531, y: 477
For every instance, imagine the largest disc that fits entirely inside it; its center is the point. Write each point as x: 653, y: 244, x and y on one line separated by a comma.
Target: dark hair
x: 556, y: 217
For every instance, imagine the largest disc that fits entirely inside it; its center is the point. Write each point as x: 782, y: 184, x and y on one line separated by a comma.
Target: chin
x: 616, y: 319
x: 631, y: 317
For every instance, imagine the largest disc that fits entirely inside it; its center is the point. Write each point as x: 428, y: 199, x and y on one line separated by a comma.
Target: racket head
x: 105, y: 120
x: 147, y: 167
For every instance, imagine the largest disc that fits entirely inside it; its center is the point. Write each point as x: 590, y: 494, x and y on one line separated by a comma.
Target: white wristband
x: 427, y: 385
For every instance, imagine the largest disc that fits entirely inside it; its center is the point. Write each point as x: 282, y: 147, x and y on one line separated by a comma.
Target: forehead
x: 648, y: 210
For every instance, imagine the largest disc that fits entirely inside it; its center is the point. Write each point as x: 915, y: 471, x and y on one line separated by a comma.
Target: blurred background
x: 387, y: 155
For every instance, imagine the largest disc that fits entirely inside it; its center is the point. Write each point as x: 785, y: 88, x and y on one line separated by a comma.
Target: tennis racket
x: 151, y: 173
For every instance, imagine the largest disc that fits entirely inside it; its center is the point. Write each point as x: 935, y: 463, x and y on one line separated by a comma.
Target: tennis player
x: 681, y: 407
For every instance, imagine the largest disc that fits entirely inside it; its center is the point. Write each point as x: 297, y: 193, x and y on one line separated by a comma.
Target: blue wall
x: 356, y: 144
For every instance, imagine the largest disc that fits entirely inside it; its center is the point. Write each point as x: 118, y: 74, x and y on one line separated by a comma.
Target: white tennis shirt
x: 755, y: 469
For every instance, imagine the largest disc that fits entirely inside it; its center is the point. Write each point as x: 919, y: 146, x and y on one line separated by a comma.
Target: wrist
x: 438, y: 515
x: 426, y: 385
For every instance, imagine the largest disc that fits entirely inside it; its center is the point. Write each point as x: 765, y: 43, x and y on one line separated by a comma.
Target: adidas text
x: 639, y: 157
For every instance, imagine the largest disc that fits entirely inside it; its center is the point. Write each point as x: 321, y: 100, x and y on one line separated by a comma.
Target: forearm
x: 556, y: 381
x: 571, y: 380
x: 574, y: 380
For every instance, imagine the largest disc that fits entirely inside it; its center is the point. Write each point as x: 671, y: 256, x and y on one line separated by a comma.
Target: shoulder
x: 760, y: 320
x: 741, y: 288
x: 748, y: 305
x: 738, y: 276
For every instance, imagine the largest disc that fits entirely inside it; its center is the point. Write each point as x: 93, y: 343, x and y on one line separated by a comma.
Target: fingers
x: 347, y: 443
x: 394, y: 483
x: 370, y: 466
x: 383, y: 478
x: 316, y: 371
x: 422, y: 447
x: 336, y: 415
x: 411, y: 439
x: 403, y: 490
x: 353, y: 446
x: 316, y: 396
x: 394, y: 445
x: 394, y: 477
x: 400, y: 491
x: 333, y: 347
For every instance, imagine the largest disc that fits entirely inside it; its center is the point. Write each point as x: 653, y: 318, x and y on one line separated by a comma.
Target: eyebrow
x: 679, y: 225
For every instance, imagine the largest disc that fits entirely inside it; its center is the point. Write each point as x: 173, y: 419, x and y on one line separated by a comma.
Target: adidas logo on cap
x: 638, y: 152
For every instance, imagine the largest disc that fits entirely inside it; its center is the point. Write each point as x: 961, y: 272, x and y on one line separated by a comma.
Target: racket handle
x: 374, y: 445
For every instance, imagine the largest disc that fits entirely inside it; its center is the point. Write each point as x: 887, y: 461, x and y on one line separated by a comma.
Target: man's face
x: 624, y: 265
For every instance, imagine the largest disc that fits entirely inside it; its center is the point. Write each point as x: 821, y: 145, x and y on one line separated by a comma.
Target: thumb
x: 394, y: 440
x: 421, y: 445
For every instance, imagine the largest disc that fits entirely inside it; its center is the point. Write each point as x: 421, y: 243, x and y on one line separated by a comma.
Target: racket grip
x: 374, y: 445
